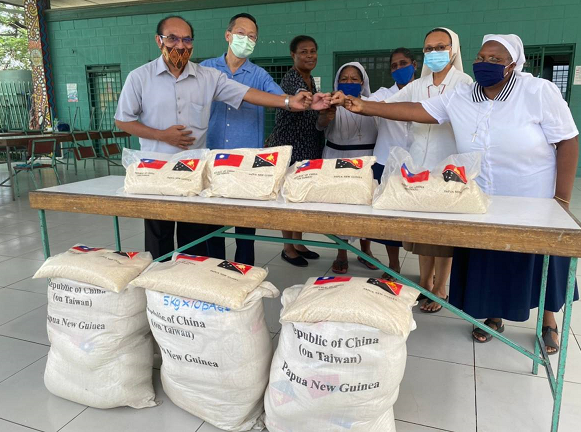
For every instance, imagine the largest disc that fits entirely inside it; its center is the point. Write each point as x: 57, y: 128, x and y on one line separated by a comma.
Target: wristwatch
x: 287, y: 103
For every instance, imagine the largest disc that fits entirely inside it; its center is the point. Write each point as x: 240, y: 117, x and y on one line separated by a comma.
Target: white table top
x: 508, y: 211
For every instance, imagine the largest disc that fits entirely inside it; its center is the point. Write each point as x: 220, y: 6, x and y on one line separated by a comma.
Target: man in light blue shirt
x: 242, y: 128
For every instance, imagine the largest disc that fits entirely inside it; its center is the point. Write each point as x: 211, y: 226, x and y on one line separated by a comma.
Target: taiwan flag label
x: 331, y: 279
x: 310, y: 165
x: 190, y: 257
x: 414, y: 178
x: 82, y: 248
x: 151, y: 163
x: 227, y: 159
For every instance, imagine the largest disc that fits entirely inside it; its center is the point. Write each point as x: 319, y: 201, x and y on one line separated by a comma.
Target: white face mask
x: 241, y: 46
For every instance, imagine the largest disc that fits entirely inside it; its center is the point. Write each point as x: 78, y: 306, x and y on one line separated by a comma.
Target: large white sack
x: 248, y: 173
x: 215, y: 360
x: 218, y: 281
x: 179, y: 174
x: 333, y: 376
x: 109, y: 269
x: 449, y: 188
x: 339, y: 181
x: 101, y: 352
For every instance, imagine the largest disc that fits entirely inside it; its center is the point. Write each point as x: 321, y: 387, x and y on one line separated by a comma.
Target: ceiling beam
x: 148, y: 7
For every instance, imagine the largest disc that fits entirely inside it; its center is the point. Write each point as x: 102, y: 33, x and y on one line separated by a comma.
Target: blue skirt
x: 492, y: 284
x: 377, y: 173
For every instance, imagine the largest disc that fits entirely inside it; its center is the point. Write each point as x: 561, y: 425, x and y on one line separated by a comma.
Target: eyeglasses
x: 173, y: 40
x: 252, y: 37
x: 437, y: 48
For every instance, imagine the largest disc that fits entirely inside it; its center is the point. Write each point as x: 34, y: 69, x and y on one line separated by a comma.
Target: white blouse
x: 515, y: 132
x: 431, y: 143
x: 349, y: 129
x: 389, y: 133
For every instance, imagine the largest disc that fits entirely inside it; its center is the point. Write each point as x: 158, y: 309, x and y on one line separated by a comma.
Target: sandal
x: 429, y: 302
x: 482, y: 333
x: 340, y: 267
x: 389, y: 277
x: 548, y: 339
x: 367, y: 264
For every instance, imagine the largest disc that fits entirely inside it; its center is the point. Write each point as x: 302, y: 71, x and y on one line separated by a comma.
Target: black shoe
x: 309, y: 254
x: 298, y: 261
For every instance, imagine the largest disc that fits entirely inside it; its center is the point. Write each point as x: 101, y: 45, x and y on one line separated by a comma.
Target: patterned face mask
x: 177, y: 57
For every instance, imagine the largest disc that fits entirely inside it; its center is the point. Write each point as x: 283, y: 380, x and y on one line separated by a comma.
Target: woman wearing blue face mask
x: 529, y: 144
x: 392, y: 133
x: 431, y: 144
x: 349, y: 135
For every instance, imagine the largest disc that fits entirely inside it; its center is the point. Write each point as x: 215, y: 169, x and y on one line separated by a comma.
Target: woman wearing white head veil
x: 349, y: 135
x: 441, y: 72
x: 529, y: 144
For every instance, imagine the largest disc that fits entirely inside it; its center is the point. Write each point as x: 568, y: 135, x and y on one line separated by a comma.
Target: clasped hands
x: 323, y: 101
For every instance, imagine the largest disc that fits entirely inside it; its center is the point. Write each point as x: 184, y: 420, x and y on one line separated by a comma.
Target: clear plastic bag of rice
x: 449, y: 188
x: 247, y: 173
x: 105, y: 268
x: 179, y: 174
x: 338, y: 181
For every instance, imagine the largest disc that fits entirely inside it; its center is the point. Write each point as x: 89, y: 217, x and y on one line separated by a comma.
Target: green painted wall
x: 337, y: 25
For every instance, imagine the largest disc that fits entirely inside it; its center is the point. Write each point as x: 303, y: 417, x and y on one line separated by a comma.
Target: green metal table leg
x: 541, y: 311
x: 564, y: 344
x: 117, y: 235
x: 44, y: 233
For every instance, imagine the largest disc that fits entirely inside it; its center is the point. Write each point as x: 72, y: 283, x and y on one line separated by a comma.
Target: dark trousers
x: 244, y: 248
x: 159, y: 237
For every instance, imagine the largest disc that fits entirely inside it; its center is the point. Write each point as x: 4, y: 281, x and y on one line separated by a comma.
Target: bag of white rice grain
x: 101, y: 352
x: 179, y: 174
x: 340, y: 181
x: 216, y: 360
x: 247, y: 173
x: 341, y: 355
x: 109, y: 269
x: 190, y: 276
x: 449, y: 188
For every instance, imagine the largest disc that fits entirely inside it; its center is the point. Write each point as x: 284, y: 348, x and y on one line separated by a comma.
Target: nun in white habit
x: 348, y: 135
x: 529, y: 144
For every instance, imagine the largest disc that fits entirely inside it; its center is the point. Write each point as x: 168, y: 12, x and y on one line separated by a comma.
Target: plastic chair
x: 82, y: 152
x: 36, y: 150
x: 110, y: 149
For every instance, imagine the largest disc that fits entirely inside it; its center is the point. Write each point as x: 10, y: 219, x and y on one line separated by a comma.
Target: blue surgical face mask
x: 488, y: 74
x: 350, y: 89
x: 437, y: 60
x: 403, y: 75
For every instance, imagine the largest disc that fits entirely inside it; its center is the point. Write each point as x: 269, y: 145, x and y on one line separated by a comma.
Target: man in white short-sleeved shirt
x: 166, y: 103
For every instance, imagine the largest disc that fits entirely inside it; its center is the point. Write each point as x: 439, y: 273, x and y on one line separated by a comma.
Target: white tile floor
x: 451, y: 384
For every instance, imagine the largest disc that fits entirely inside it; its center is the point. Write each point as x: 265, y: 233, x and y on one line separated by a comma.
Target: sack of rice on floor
x: 216, y: 359
x: 449, y: 188
x: 341, y: 355
x: 340, y: 181
x: 106, y: 268
x: 101, y: 352
x: 179, y: 174
x: 247, y: 173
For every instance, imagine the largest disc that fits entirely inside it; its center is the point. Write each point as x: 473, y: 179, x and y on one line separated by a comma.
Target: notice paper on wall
x: 577, y: 79
x: 72, y: 93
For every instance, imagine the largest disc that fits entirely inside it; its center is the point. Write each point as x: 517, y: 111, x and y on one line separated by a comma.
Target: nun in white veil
x: 347, y: 134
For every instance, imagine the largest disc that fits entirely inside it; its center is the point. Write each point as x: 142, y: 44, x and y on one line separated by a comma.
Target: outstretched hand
x: 353, y: 104
x: 321, y: 101
x: 301, y: 101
